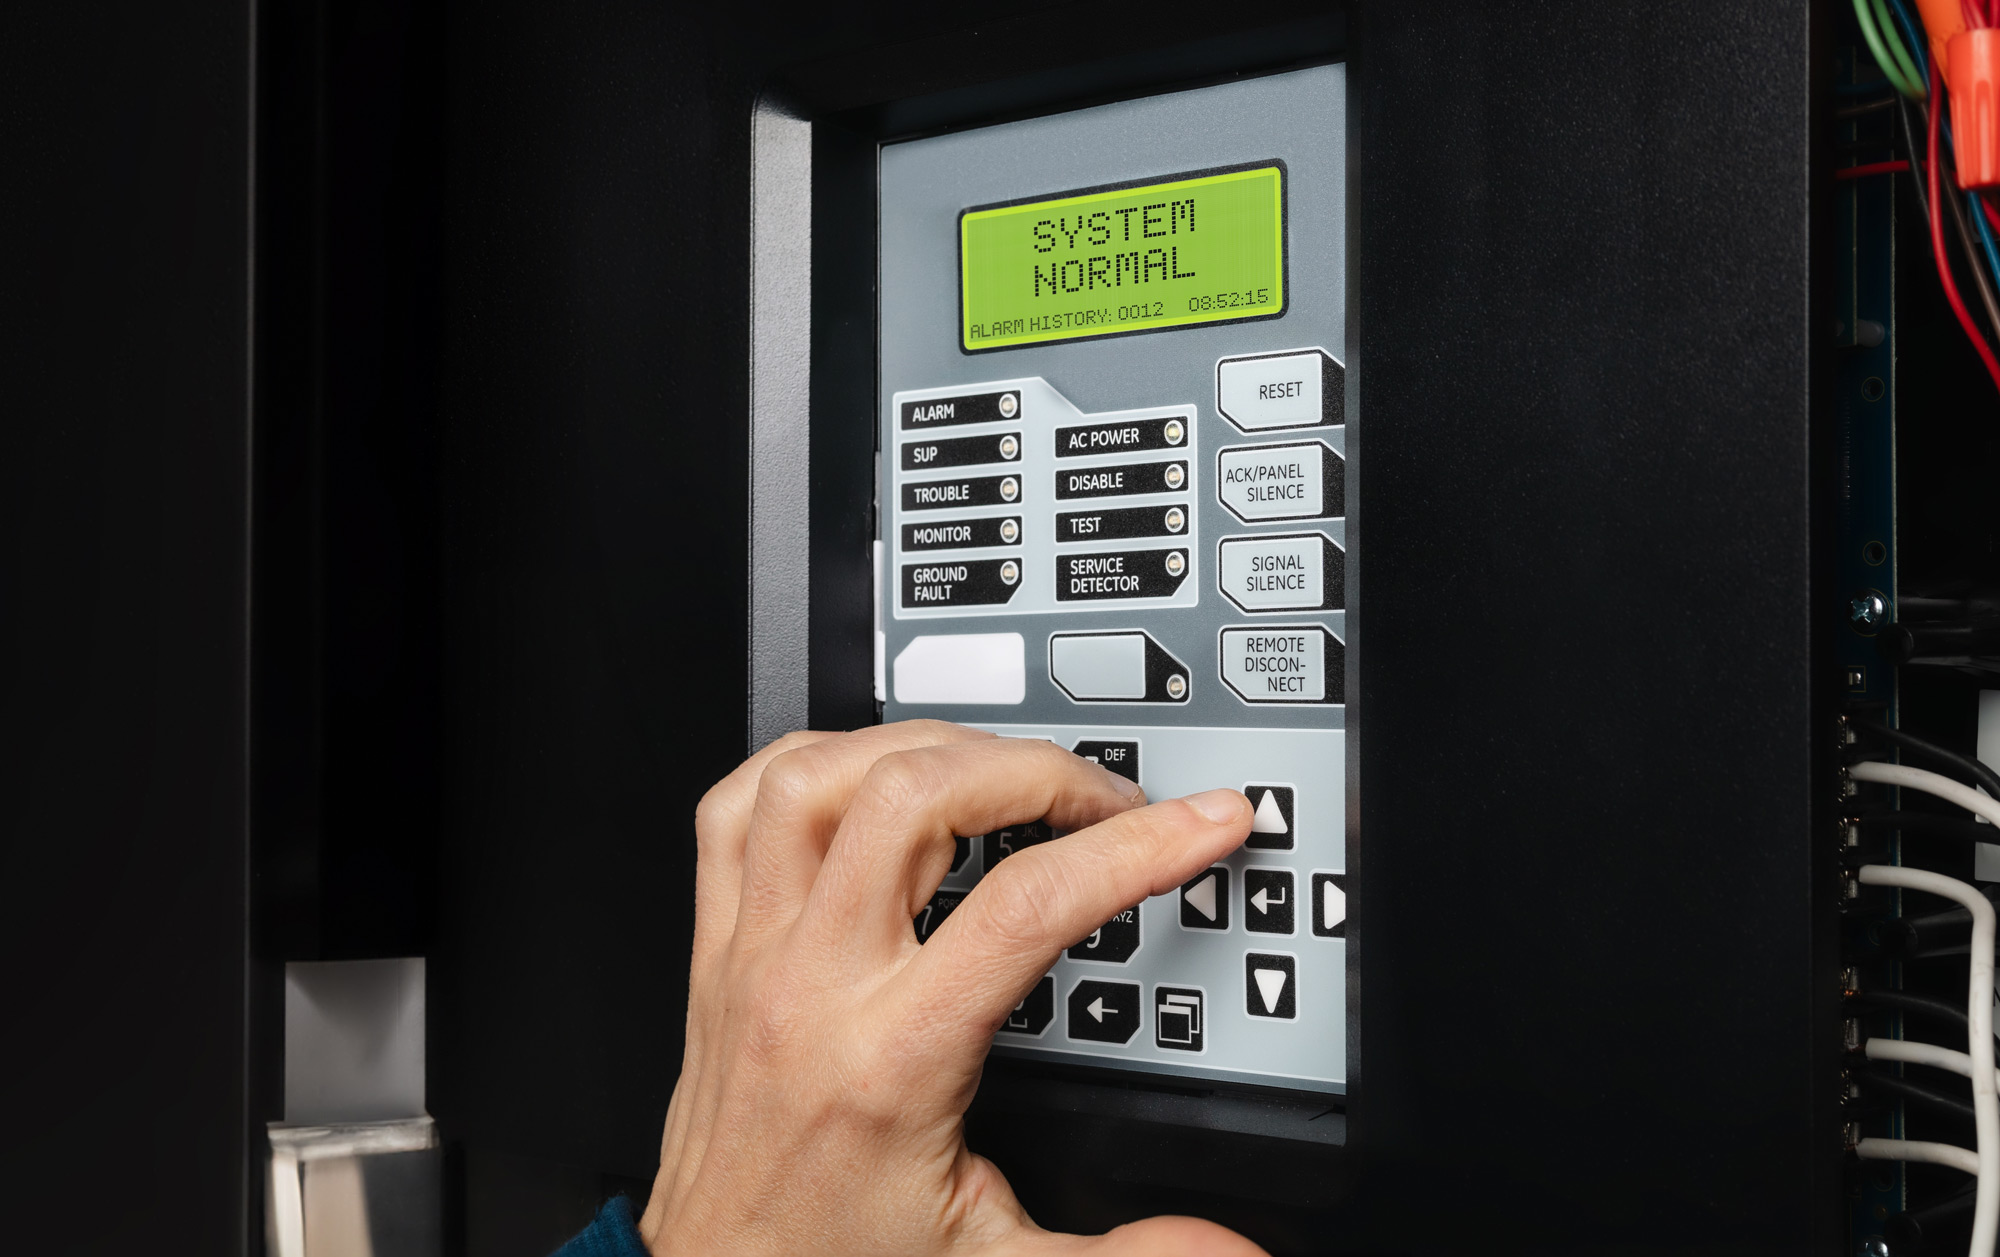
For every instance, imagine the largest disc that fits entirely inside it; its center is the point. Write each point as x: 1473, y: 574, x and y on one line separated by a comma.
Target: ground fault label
x: 942, y: 495
x: 960, y: 582
x: 1295, y: 572
x: 1118, y: 523
x: 1123, y: 480
x: 1261, y: 483
x: 940, y: 412
x: 1117, y: 438
x: 962, y: 534
x: 1120, y: 574
x: 1283, y: 664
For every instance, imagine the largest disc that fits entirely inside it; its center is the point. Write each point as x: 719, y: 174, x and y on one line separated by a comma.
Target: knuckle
x: 787, y: 781
x: 902, y: 781
x: 1018, y: 896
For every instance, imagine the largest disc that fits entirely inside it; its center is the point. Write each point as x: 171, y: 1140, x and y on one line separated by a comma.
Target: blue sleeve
x: 612, y: 1234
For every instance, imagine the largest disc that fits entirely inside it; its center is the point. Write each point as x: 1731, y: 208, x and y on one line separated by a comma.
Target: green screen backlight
x: 1201, y: 249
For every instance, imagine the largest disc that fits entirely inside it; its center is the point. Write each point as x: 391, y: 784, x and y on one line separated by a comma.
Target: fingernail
x: 1218, y: 806
x: 1127, y: 788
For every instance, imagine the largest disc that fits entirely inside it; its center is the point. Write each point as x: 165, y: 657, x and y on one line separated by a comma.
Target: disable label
x: 1259, y: 483
x: 1290, y: 664
x: 960, y: 583
x: 1294, y: 572
x: 1122, y: 480
x: 1120, y: 574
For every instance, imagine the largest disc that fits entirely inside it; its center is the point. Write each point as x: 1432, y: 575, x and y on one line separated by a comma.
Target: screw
x: 1867, y: 610
x: 1874, y: 1246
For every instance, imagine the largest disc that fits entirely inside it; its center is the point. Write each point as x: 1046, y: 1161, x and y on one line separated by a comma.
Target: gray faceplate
x: 1205, y: 734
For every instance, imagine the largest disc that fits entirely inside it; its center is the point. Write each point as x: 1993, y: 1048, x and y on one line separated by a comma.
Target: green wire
x: 1893, y: 36
x: 1890, y: 69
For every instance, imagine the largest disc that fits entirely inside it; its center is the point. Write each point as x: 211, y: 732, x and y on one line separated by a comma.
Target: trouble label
x: 1260, y: 483
x: 941, y: 412
x: 960, y: 583
x: 1113, y: 438
x: 943, y: 495
x: 1296, y: 572
x: 1120, y: 574
x: 1301, y: 664
x: 1123, y: 480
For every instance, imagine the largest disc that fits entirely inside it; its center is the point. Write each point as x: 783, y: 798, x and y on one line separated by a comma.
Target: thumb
x: 1166, y: 1237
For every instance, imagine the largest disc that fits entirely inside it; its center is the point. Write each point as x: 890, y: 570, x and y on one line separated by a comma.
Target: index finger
x: 993, y: 949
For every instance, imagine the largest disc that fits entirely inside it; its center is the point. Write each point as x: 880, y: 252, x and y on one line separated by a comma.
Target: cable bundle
x: 1977, y: 1064
x: 1969, y: 32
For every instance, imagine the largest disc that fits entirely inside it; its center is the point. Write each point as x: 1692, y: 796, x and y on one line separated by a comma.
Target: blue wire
x: 1985, y: 235
x: 1912, y: 35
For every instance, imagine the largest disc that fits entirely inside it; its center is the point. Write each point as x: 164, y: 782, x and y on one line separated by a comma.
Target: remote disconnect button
x: 1292, y: 664
x: 1124, y: 667
x: 1294, y: 572
x: 1104, y: 1012
x: 1291, y: 389
x: 1263, y: 483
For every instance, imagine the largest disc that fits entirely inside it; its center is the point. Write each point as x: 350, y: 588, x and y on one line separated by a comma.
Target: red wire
x: 1872, y: 168
x: 1986, y: 207
x: 1933, y: 114
x: 1971, y: 14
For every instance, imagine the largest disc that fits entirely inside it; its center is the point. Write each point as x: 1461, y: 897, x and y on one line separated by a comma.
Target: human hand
x: 830, y: 1057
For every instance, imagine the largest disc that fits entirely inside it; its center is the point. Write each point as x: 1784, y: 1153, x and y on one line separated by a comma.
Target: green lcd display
x: 1193, y: 249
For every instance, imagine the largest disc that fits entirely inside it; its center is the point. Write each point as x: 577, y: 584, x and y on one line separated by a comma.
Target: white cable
x: 1918, y: 1150
x: 1928, y: 782
x: 1978, y: 998
x: 1919, y: 1054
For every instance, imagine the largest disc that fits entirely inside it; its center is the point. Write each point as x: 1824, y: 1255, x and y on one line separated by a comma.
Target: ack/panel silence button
x: 1262, y: 484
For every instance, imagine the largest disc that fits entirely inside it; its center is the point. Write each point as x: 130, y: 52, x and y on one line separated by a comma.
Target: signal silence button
x: 1293, y: 572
